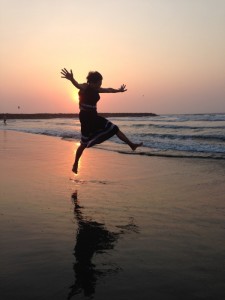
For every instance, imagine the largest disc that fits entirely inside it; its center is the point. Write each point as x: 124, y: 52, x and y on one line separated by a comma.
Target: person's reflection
x: 92, y: 238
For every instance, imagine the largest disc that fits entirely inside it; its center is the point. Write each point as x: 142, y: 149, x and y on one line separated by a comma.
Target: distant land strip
x: 60, y: 115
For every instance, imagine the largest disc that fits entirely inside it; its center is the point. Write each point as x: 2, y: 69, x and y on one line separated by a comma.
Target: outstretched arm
x: 111, y: 90
x: 69, y: 76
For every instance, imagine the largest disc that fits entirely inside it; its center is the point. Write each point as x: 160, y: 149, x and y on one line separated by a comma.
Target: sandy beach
x: 126, y: 227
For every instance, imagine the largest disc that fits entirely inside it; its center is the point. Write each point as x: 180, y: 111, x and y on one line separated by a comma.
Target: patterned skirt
x: 95, y: 129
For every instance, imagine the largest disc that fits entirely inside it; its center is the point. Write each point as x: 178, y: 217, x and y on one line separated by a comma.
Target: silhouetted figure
x: 94, y: 128
x: 92, y: 238
x: 5, y: 120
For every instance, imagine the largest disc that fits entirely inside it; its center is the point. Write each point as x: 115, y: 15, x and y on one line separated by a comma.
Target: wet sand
x: 127, y: 227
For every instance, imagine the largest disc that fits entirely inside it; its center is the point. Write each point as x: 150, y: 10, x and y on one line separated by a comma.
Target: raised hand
x: 66, y: 74
x: 123, y: 88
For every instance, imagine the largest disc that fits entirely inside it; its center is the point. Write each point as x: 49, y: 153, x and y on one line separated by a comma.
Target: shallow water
x: 125, y: 228
x: 201, y: 136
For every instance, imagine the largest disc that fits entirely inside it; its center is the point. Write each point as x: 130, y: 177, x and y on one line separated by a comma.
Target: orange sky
x: 170, y: 54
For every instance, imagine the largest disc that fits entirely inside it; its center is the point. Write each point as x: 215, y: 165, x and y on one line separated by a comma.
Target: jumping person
x: 94, y: 128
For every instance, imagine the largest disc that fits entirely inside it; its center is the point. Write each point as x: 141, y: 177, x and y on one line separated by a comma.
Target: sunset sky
x: 169, y: 53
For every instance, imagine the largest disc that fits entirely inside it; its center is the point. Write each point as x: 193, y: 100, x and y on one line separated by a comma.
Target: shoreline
x: 125, y: 227
x: 71, y: 115
x: 162, y: 154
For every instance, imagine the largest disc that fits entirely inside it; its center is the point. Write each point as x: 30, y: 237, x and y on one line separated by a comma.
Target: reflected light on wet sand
x: 50, y: 244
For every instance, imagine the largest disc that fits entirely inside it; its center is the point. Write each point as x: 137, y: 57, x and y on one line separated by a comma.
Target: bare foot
x: 75, y: 168
x: 135, y: 146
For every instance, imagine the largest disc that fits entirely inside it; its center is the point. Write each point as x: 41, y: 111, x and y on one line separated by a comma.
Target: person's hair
x: 94, y: 77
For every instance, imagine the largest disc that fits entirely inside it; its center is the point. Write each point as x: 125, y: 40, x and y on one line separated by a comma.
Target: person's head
x: 94, y: 79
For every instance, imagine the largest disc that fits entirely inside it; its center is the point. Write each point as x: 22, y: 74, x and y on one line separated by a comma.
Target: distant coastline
x: 62, y: 115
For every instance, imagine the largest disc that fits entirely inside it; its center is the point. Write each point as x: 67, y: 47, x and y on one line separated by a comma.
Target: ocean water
x: 192, y: 135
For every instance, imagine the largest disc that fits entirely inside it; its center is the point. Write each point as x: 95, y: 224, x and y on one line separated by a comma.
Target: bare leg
x: 79, y: 152
x: 123, y: 138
